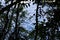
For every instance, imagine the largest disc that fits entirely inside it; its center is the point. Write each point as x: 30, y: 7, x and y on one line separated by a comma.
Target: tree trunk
x: 16, y: 25
x: 36, y: 27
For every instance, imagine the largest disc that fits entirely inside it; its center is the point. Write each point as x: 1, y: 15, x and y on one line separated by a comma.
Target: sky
x: 28, y: 24
x: 30, y: 11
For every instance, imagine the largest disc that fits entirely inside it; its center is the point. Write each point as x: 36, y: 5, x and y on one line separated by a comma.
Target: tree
x: 7, y: 16
x: 52, y: 24
x: 12, y: 15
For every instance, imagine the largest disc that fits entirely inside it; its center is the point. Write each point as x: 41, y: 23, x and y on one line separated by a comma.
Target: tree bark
x: 36, y: 27
x: 16, y: 25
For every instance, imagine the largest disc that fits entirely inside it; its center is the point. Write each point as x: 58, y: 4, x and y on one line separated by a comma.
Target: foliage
x: 9, y: 19
x: 10, y: 22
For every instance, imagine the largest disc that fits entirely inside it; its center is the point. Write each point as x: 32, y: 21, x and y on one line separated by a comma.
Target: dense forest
x: 13, y: 16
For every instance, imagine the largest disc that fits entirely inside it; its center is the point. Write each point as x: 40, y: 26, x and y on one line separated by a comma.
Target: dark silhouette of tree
x: 36, y: 27
x: 52, y: 24
x: 9, y: 18
x: 49, y: 30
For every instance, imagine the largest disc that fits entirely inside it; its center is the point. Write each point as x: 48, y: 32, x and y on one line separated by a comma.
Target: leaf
x: 20, y: 9
x: 6, y: 1
x: 30, y: 17
x: 23, y: 14
x: 22, y: 29
x: 31, y: 35
x: 28, y: 4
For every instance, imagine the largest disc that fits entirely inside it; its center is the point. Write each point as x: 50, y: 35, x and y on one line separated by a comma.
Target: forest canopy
x: 14, y: 17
